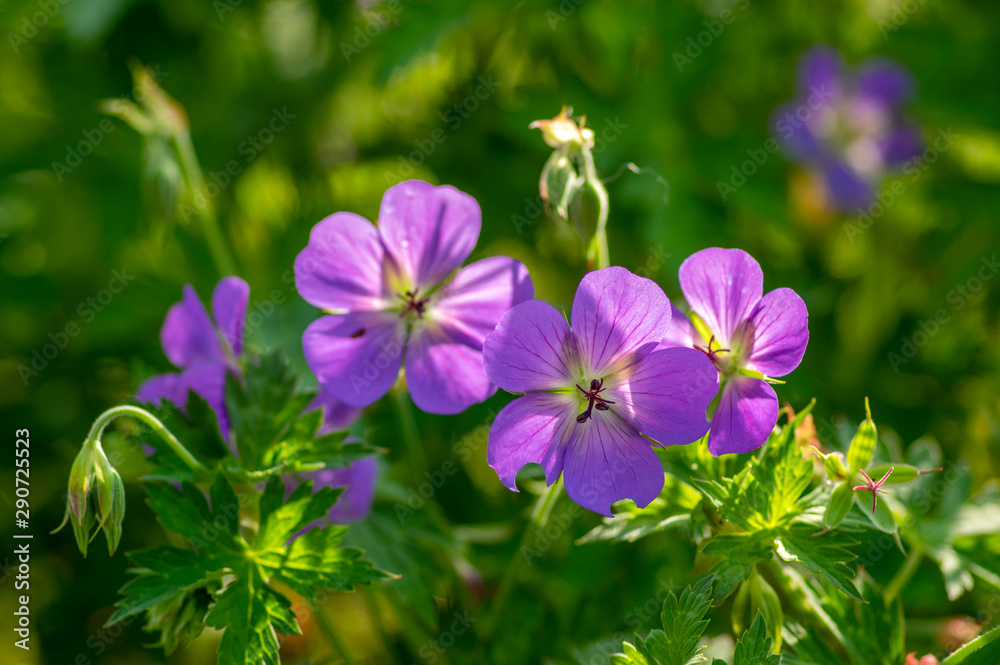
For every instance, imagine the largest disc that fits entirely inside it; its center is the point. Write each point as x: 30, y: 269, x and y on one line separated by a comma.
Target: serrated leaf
x: 670, y: 510
x: 242, y: 611
x: 738, y: 553
x: 684, y: 623
x: 754, y: 648
x: 280, y: 522
x: 826, y: 555
x: 186, y: 511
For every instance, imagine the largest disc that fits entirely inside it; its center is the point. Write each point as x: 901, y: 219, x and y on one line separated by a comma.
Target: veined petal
x: 722, y: 286
x: 444, y: 376
x: 155, y: 389
x: 429, y: 231
x: 356, y: 356
x: 187, y: 335
x: 779, y: 330
x: 666, y: 394
x: 608, y: 461
x: 531, y: 349
x: 616, y: 314
x: 681, y: 332
x: 229, y: 308
x: 470, y: 305
x: 337, y: 415
x: 341, y: 267
x: 747, y: 412
x: 533, y: 428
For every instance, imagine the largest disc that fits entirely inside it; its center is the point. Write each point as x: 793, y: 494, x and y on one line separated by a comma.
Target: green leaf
x: 670, y: 510
x: 278, y: 523
x: 754, y: 648
x: 827, y: 555
x: 198, y: 430
x: 738, y: 553
x: 186, y: 512
x: 244, y: 612
x: 684, y: 623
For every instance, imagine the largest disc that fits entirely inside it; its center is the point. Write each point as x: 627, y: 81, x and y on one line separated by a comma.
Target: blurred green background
x: 444, y: 91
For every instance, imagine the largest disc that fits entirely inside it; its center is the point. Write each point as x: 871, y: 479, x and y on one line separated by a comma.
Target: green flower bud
x: 588, y: 208
x: 95, y: 498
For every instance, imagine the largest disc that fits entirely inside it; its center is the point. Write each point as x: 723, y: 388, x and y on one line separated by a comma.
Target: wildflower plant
x: 656, y: 420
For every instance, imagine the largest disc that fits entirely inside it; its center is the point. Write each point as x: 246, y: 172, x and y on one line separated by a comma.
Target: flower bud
x: 96, y: 498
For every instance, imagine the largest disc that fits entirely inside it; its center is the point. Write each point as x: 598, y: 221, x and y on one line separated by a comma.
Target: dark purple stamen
x: 595, y: 400
x: 413, y: 303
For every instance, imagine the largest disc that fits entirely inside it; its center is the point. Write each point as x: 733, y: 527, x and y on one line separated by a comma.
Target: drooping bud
x: 95, y: 498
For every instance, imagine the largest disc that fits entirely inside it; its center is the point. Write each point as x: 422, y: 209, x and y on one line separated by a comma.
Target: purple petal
x: 531, y: 349
x: 341, y: 267
x: 615, y: 314
x: 470, y: 304
x: 429, y: 231
x: 155, y: 389
x: 819, y: 72
x: 608, y: 461
x: 900, y: 145
x: 443, y: 376
x: 779, y: 328
x: 794, y: 133
x: 356, y: 356
x: 187, y: 335
x: 229, y: 307
x: 722, y: 286
x: 208, y: 381
x: 747, y: 412
x: 337, y: 415
x: 533, y: 428
x: 666, y: 394
x: 847, y: 190
x: 681, y: 332
x: 884, y: 81
x: 355, y: 503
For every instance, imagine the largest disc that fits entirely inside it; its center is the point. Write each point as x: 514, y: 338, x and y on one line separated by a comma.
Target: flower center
x: 594, y: 400
x: 413, y: 303
x: 724, y: 359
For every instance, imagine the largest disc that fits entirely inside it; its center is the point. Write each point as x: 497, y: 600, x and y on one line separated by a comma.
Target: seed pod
x: 882, y: 518
x: 839, y: 505
x: 859, y: 455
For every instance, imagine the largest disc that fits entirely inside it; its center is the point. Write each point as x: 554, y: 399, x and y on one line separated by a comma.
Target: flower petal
x: 846, y: 188
x: 884, y: 81
x: 429, y: 231
x: 470, y: 305
x: 531, y: 349
x: 747, y: 412
x: 819, y: 72
x: 337, y: 415
x: 208, y: 381
x: 779, y: 328
x: 229, y: 308
x: 533, y: 428
x: 444, y: 376
x: 187, y: 335
x: 356, y: 356
x: 155, y: 389
x: 722, y: 286
x: 666, y: 394
x: 794, y: 134
x: 355, y: 503
x: 341, y: 267
x: 681, y: 332
x: 615, y: 314
x: 608, y: 461
x: 900, y: 145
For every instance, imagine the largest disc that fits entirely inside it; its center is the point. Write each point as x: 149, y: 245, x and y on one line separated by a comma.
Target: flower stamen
x: 594, y: 400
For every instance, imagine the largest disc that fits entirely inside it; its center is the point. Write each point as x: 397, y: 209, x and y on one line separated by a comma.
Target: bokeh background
x: 444, y: 91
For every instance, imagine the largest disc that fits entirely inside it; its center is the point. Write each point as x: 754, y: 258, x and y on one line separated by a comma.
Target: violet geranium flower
x: 204, y: 351
x: 749, y: 336
x: 596, y: 392
x: 847, y: 127
x: 399, y: 298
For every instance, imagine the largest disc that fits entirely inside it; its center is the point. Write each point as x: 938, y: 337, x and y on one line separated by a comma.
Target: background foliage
x: 444, y: 91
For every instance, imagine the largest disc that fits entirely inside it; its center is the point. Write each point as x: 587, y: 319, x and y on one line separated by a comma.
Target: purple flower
x: 748, y: 335
x: 847, y: 127
x: 203, y: 350
x: 596, y: 392
x: 398, y: 296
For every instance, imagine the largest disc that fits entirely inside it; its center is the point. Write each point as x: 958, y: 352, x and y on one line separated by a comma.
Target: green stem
x: 903, y: 576
x: 140, y: 414
x: 326, y: 627
x: 973, y: 646
x: 539, y: 518
x: 411, y: 435
x: 195, y: 182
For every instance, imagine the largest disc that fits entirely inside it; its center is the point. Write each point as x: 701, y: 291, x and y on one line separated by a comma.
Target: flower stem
x: 195, y: 182
x: 903, y: 576
x: 326, y: 627
x: 539, y: 519
x: 154, y: 424
x: 411, y: 435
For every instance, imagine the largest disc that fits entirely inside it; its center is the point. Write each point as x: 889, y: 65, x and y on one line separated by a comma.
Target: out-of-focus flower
x: 595, y: 390
x: 205, y: 351
x: 96, y: 498
x: 846, y: 126
x: 397, y: 294
x: 911, y: 659
x: 749, y: 336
